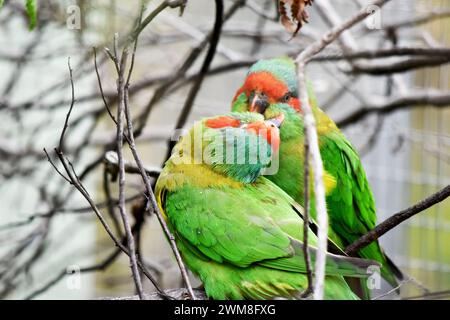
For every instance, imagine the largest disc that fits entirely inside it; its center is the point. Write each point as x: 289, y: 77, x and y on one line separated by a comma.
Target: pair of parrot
x: 242, y: 232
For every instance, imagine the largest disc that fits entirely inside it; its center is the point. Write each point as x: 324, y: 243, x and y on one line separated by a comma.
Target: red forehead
x: 265, y: 82
x: 222, y: 122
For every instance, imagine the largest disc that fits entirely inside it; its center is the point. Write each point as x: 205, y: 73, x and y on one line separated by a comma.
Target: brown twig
x: 74, y: 180
x: 111, y: 161
x: 120, y: 132
x: 132, y: 146
x: 152, y: 200
x: 101, y: 88
x: 396, y: 219
x: 163, y: 5
x: 410, y: 100
x: 72, y: 103
x: 97, y: 267
x: 109, y: 203
x: 53, y: 211
x: 382, y: 53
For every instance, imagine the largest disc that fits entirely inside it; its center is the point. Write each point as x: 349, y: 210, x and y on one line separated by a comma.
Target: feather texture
x: 243, y: 239
x: 350, y: 203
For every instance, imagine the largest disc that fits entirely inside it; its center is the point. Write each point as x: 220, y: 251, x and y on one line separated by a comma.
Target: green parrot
x: 239, y: 232
x: 271, y: 88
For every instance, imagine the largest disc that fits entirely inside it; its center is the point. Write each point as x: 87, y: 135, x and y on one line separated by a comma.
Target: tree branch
x: 396, y: 219
x: 409, y: 100
x: 122, y: 209
x: 322, y: 217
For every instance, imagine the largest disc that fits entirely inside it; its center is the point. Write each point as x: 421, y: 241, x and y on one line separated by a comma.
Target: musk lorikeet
x: 350, y: 203
x: 239, y: 232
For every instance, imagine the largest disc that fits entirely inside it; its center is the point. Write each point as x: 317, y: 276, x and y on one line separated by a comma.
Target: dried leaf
x: 298, y: 14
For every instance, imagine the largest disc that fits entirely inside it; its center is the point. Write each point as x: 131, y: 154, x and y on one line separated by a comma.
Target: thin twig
x: 163, y: 5
x: 76, y: 182
x: 101, y: 87
x: 146, y: 180
x: 393, y: 290
x: 122, y: 208
x: 72, y: 103
x: 432, y: 295
x: 382, y: 53
x: 111, y: 160
x: 50, y: 213
x: 97, y: 267
x: 110, y: 205
x: 152, y: 201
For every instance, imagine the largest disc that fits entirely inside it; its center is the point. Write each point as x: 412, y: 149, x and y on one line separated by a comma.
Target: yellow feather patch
x: 324, y: 123
x: 329, y: 182
x: 159, y: 200
x: 198, y: 175
x: 247, y: 284
x: 285, y: 289
x: 265, y: 287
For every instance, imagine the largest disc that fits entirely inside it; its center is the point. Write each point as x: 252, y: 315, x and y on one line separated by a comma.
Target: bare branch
x: 396, y: 219
x: 382, y: 53
x: 310, y: 128
x: 411, y: 99
x: 112, y: 162
x: 122, y: 209
x: 72, y: 103
x: 101, y: 87
x: 335, y: 32
x: 152, y: 199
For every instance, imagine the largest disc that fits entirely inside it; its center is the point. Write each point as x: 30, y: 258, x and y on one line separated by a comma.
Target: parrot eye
x: 286, y: 97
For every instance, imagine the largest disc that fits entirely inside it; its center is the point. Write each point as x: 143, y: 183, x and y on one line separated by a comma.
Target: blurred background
x: 48, y: 233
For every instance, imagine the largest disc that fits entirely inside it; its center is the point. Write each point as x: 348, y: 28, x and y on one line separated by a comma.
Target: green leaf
x: 31, y: 12
x: 1, y: 3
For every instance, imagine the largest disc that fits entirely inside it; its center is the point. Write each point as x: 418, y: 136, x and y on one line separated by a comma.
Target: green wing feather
x: 255, y: 224
x: 351, y: 205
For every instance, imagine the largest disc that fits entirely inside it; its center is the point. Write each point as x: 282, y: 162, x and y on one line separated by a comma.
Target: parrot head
x: 271, y: 89
x: 248, y: 124
x: 226, y: 150
x: 241, y: 145
x: 268, y: 82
